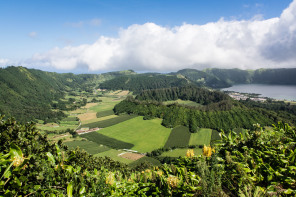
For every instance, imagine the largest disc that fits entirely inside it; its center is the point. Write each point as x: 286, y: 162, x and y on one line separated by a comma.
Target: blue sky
x: 52, y: 34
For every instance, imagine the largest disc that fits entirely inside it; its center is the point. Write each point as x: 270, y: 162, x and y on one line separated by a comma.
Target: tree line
x: 199, y: 95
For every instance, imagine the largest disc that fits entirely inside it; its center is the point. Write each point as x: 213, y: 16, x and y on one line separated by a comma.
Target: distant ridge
x: 28, y: 94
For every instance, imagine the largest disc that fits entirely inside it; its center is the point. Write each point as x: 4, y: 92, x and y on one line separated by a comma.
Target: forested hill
x: 27, y: 94
x: 220, y: 78
x: 192, y: 93
x: 139, y: 82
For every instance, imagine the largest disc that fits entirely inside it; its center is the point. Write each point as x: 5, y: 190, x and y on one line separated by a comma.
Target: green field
x: 56, y: 127
x: 179, y: 137
x: 182, y: 102
x: 107, y: 103
x: 107, y: 141
x: 109, y: 122
x: 146, y: 135
x: 180, y: 152
x: 105, y: 113
x: 99, y: 119
x: 215, y: 136
x: 201, y: 137
x: 88, y: 146
x: 113, y: 154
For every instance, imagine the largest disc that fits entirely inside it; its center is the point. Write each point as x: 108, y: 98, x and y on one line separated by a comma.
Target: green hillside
x: 221, y: 78
x: 140, y: 82
x: 28, y: 94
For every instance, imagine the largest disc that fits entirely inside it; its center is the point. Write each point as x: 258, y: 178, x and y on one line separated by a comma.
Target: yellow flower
x: 173, y: 181
x: 190, y: 153
x: 17, y: 161
x: 159, y: 173
x: 110, y: 179
x: 207, y: 151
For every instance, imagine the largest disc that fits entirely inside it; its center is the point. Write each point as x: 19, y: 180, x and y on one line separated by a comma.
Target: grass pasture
x: 201, y: 137
x: 99, y: 119
x: 107, y: 103
x: 88, y: 146
x: 109, y: 122
x: 56, y: 127
x: 215, y: 136
x: 101, y: 114
x: 101, y: 139
x: 146, y: 135
x: 87, y: 116
x: 113, y: 154
x: 179, y: 136
x: 183, y: 102
x: 89, y: 105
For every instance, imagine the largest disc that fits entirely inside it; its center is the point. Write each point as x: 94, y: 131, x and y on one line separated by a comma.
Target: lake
x: 281, y: 92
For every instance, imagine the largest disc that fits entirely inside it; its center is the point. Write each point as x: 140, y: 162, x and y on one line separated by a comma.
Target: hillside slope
x: 27, y: 94
x: 221, y: 78
x: 140, y: 82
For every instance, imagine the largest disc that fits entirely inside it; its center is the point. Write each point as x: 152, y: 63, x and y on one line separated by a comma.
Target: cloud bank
x: 247, y: 44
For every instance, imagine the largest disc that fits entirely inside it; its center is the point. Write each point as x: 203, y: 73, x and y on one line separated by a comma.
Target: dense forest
x: 192, y: 93
x: 216, y: 112
x: 137, y: 83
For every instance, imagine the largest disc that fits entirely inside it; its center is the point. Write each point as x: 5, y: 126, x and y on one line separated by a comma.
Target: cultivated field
x: 101, y: 139
x: 202, y: 137
x: 109, y: 122
x: 88, y: 146
x: 107, y: 103
x: 146, y: 135
x: 101, y: 114
x: 114, y: 154
x: 99, y: 119
x: 87, y: 116
x: 124, y: 132
x: 179, y: 136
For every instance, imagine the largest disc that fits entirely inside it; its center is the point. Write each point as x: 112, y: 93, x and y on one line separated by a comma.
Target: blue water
x: 280, y: 92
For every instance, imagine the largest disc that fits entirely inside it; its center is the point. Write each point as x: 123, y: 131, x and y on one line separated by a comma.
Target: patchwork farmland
x: 125, y: 138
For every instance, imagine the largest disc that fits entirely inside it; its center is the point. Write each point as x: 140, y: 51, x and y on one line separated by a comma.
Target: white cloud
x: 32, y: 34
x: 246, y: 44
x: 4, y: 62
x: 95, y: 22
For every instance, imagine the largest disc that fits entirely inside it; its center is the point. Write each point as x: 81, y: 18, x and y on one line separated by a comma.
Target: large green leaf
x: 70, y: 189
x: 15, y: 151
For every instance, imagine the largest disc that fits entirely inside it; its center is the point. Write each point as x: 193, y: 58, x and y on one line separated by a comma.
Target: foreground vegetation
x: 262, y: 163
